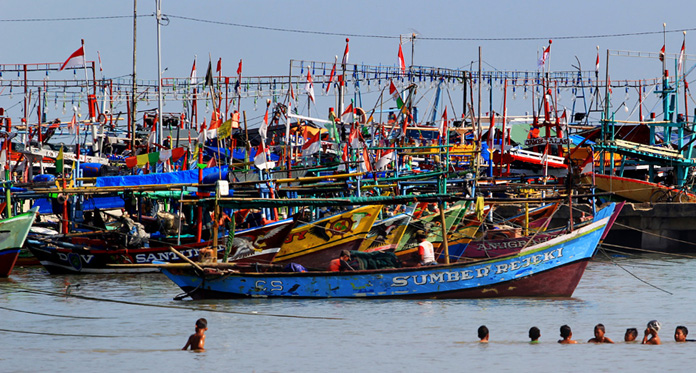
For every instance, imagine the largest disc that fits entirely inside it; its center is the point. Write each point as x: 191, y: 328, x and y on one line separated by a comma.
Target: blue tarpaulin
x: 178, y: 177
x: 89, y: 204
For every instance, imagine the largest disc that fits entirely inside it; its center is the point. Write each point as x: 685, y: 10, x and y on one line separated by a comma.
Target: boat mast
x: 134, y: 101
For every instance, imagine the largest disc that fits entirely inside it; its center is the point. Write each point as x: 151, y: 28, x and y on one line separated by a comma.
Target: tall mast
x: 159, y: 72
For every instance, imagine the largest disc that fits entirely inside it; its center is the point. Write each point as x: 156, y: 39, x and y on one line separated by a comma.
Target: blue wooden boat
x: 549, y: 269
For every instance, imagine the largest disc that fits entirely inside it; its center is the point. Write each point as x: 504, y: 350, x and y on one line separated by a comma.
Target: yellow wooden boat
x: 315, y: 244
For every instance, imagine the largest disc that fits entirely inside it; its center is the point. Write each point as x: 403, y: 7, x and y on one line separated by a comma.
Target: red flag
x: 345, y: 53
x: 215, y: 120
x: 354, y: 138
x: 331, y: 77
x: 366, y: 166
x: 239, y: 68
x: 402, y: 63
x: 662, y: 53
x: 263, y: 130
x: 76, y: 59
x: 260, y: 157
x: 219, y: 65
x: 73, y: 124
x: 597, y: 65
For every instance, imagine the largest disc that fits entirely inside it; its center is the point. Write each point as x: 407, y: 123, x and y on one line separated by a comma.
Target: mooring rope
x: 83, y: 297
x: 631, y: 273
x: 52, y: 315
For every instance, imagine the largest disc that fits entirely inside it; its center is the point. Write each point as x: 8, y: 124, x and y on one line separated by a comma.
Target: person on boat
x: 425, y: 250
x: 599, y: 337
x: 650, y: 336
x: 483, y: 334
x: 631, y: 335
x: 680, y: 334
x: 534, y: 334
x: 566, y: 334
x: 197, y: 340
x: 340, y: 264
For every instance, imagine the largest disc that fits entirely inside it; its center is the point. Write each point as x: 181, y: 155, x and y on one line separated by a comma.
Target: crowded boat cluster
x: 372, y: 200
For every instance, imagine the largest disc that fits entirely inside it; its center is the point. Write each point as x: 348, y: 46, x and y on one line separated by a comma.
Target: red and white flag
x: 345, y: 54
x: 100, y: 65
x: 260, y: 160
x: 442, y: 128
x: 596, y: 69
x: 354, y: 138
x: 385, y: 160
x: 365, y: 165
x: 681, y: 58
x: 77, y: 59
x: 544, y: 56
x: 263, y: 130
x: 349, y: 111
x: 73, y: 125
x: 193, y: 72
x: 309, y: 87
x: 202, y: 133
x: 662, y: 53
x: 331, y: 77
x: 402, y: 63
x: 312, y: 145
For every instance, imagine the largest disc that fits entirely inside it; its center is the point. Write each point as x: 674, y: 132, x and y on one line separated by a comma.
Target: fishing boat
x: 315, y: 244
x: 549, y: 269
x: 639, y: 190
x: 13, y: 232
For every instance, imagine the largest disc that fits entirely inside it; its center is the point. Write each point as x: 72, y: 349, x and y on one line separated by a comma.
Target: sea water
x: 145, y: 328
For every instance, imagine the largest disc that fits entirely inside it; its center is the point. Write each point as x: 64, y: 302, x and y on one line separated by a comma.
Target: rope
x: 636, y: 277
x: 62, y: 334
x: 648, y: 251
x: 53, y: 315
x: 56, y: 294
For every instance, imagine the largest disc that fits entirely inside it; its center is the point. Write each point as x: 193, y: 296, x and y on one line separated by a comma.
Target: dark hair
x: 345, y: 253
x: 632, y: 331
x: 201, y: 323
x: 565, y: 331
x: 534, y: 333
x: 601, y: 327
x: 683, y: 329
x: 482, y: 331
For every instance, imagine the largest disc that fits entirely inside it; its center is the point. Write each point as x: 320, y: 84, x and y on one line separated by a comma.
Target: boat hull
x: 549, y: 269
x: 13, y: 233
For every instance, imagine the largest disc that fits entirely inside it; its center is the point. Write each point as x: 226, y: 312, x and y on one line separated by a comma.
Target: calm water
x: 365, y: 336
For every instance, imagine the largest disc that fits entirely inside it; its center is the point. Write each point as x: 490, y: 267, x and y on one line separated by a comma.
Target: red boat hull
x: 8, y: 258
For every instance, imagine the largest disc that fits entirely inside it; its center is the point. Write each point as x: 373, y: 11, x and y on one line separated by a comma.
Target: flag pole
x: 159, y: 72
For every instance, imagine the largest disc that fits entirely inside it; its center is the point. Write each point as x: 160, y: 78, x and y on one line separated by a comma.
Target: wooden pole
x: 441, y: 206
x: 182, y: 256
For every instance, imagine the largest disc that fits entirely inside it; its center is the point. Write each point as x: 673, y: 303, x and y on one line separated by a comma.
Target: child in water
x: 197, y: 339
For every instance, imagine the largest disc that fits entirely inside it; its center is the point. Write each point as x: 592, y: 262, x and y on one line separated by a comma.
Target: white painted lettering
x: 501, y: 268
x: 400, y: 281
x: 452, y: 276
x: 467, y: 274
x: 436, y: 277
x: 514, y: 265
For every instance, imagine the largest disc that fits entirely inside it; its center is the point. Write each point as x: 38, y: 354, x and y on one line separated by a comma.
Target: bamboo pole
x: 182, y: 256
x: 441, y: 206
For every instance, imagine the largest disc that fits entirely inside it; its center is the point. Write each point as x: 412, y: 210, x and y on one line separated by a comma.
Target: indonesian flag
x: 544, y: 56
x: 260, y: 158
x: 215, y: 122
x: 309, y: 87
x: 344, y: 158
x: 153, y: 132
x: 345, y: 54
x: 402, y: 64
x: 77, y: 59
x: 596, y: 69
x: 263, y: 130
x: 563, y: 120
x: 662, y: 53
x: 344, y: 115
x: 331, y: 77
x: 681, y: 58
x: 354, y: 138
x: 443, y: 124
x: 385, y: 160
x: 312, y: 145
x: 193, y: 72
x: 202, y: 134
x: 73, y: 125
x: 396, y: 95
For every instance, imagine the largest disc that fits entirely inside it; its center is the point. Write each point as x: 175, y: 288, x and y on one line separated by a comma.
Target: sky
x: 510, y: 34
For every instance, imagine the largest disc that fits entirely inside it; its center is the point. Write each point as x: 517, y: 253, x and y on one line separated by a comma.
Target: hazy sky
x: 574, y: 28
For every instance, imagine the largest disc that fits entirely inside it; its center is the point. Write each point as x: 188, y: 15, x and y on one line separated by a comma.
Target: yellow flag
x: 479, y: 208
x: 225, y: 129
